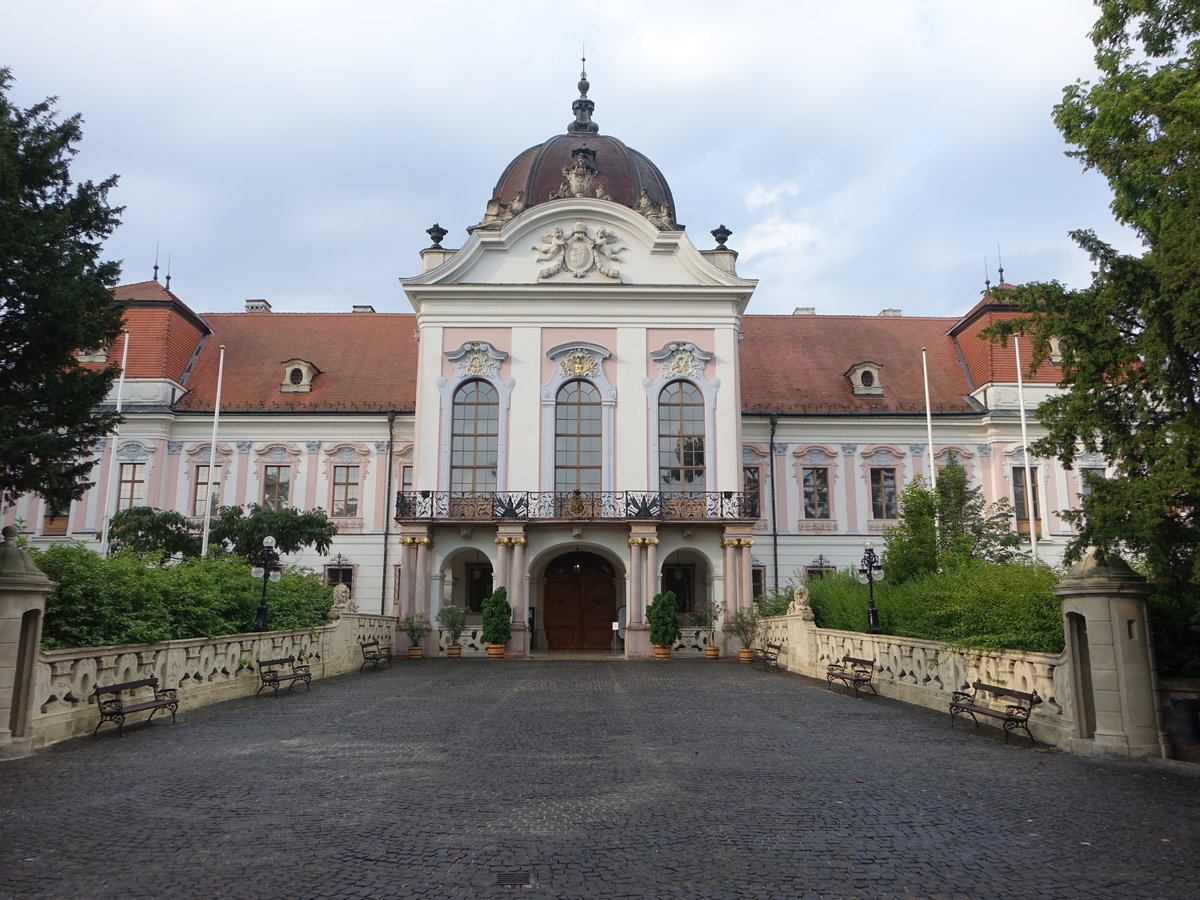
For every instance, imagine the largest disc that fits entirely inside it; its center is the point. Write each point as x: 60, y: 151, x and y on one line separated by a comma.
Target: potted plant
x: 415, y: 627
x: 664, y: 624
x: 705, y: 617
x: 453, y: 620
x: 744, y: 626
x: 497, y: 622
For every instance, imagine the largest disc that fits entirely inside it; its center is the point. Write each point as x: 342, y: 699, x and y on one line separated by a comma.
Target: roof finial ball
x: 437, y: 232
x: 721, y: 233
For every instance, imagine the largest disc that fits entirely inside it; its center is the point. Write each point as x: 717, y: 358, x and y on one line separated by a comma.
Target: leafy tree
x: 146, y: 530
x: 1130, y: 341
x: 941, y: 528
x: 241, y: 530
x: 54, y: 301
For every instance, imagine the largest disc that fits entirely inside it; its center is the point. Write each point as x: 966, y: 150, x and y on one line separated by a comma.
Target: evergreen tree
x: 1130, y: 341
x: 54, y: 301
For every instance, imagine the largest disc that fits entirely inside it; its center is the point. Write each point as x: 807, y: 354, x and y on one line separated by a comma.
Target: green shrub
x: 979, y: 604
x: 497, y: 617
x: 663, y: 618
x: 131, y: 598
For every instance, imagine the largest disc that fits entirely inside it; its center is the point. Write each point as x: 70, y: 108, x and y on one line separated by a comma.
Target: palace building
x: 579, y: 407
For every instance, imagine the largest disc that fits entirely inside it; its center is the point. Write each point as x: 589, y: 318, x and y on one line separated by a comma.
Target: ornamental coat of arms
x: 580, y: 252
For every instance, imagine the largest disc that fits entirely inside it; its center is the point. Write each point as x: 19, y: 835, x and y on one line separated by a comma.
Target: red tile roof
x: 368, y: 361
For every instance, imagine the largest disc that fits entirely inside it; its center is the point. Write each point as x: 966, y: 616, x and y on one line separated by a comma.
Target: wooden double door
x: 578, y: 611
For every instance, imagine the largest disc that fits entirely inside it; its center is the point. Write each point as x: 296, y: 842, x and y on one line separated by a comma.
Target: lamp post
x: 267, y: 568
x: 870, y: 570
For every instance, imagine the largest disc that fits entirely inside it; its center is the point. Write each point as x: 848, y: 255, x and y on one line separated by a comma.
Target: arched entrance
x: 579, y: 604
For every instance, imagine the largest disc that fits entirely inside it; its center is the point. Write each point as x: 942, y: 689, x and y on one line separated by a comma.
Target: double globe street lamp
x: 266, y: 567
x: 870, y: 570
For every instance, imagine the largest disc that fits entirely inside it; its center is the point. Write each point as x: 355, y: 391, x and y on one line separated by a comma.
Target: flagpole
x: 1029, y: 509
x: 929, y: 422
x: 212, y: 455
x: 112, y: 455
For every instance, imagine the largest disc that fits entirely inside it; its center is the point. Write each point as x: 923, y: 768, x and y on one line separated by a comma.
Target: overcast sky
x: 865, y: 153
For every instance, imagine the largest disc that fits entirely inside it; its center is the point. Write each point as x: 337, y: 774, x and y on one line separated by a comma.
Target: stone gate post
x: 23, y: 590
x: 1111, y: 661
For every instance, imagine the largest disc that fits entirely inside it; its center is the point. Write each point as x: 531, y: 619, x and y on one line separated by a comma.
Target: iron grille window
x: 883, y: 494
x: 473, y: 438
x: 345, y: 491
x: 276, y: 486
x: 680, y: 438
x: 577, y: 437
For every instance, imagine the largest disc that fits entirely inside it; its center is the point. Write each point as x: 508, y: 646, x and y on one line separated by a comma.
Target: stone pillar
x: 1111, y: 661
x: 652, y: 579
x: 23, y: 590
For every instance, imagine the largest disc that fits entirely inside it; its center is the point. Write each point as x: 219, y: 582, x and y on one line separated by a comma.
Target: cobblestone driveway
x: 592, y: 779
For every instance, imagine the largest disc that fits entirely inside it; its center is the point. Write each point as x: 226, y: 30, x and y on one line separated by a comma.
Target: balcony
x: 575, y: 506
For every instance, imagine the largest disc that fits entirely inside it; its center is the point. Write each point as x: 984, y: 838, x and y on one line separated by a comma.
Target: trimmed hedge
x: 979, y: 604
x: 129, y: 598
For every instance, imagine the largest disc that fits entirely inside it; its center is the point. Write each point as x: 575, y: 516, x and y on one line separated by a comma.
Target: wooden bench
x: 853, y: 672
x: 768, y: 656
x: 1015, y: 714
x: 274, y: 673
x: 115, y: 709
x: 374, y: 653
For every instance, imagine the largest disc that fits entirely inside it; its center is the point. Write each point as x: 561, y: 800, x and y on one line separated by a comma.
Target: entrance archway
x: 579, y: 604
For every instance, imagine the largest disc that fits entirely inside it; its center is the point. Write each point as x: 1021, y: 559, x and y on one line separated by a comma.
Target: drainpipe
x: 388, y: 512
x: 774, y: 420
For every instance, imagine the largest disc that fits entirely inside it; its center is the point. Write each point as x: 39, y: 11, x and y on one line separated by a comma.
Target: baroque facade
x: 579, y: 408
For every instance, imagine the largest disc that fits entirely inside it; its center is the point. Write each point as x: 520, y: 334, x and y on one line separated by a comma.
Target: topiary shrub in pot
x: 744, y: 626
x: 415, y: 627
x: 664, y: 624
x: 497, y: 622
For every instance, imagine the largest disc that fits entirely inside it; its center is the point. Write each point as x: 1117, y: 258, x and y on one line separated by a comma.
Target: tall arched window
x: 680, y: 439
x: 577, y: 454
x: 473, y: 438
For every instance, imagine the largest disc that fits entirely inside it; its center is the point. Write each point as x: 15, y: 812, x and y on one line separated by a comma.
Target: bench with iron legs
x: 374, y: 653
x: 852, y: 672
x: 114, y: 709
x: 768, y: 656
x: 274, y: 673
x: 1015, y: 713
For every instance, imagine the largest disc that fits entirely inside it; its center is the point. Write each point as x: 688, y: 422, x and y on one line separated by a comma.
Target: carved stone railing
x: 926, y: 672
x: 206, y: 670
x: 576, y: 505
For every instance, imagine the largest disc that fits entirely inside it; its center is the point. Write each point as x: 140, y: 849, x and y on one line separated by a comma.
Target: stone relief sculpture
x: 579, y: 253
x: 658, y: 214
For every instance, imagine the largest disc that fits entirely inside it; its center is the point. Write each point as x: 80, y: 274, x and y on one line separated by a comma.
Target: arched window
x: 680, y: 439
x: 577, y: 453
x: 473, y: 438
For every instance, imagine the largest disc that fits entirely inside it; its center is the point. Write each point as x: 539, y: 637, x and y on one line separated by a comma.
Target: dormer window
x: 865, y: 380
x: 298, y: 375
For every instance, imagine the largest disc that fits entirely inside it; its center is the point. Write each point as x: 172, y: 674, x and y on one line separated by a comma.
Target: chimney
x: 804, y: 311
x: 891, y: 312
x: 258, y: 306
x: 365, y: 307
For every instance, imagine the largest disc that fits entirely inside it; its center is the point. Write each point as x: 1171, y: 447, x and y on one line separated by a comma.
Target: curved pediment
x: 579, y: 241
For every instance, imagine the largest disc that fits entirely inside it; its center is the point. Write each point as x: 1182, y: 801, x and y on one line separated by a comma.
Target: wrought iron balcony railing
x: 575, y: 505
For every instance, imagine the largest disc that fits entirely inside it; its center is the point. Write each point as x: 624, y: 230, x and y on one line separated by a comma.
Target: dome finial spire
x: 583, y: 107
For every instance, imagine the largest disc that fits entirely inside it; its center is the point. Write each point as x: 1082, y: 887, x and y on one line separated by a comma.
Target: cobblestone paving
x: 594, y: 779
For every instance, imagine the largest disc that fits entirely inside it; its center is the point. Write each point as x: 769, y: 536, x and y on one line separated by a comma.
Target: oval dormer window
x: 296, y: 376
x: 866, y: 377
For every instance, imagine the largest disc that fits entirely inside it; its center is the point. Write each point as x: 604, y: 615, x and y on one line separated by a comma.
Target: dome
x: 581, y: 163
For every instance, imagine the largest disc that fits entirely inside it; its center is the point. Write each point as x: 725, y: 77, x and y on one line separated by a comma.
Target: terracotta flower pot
x: 712, y: 652
x: 662, y: 652
x: 417, y: 652
x: 454, y: 651
x: 495, y: 651
x: 746, y: 654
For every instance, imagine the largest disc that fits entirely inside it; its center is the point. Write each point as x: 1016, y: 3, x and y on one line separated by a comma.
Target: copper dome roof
x: 581, y: 163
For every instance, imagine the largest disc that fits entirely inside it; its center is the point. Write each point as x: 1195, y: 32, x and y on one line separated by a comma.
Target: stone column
x: 23, y: 590
x: 1111, y: 659
x: 652, y: 582
x: 408, y: 559
x: 745, y: 573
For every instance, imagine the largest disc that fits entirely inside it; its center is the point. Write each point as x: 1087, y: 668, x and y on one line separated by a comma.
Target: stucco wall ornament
x: 579, y: 253
x: 579, y: 175
x: 681, y: 360
x: 476, y: 359
x: 578, y: 364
